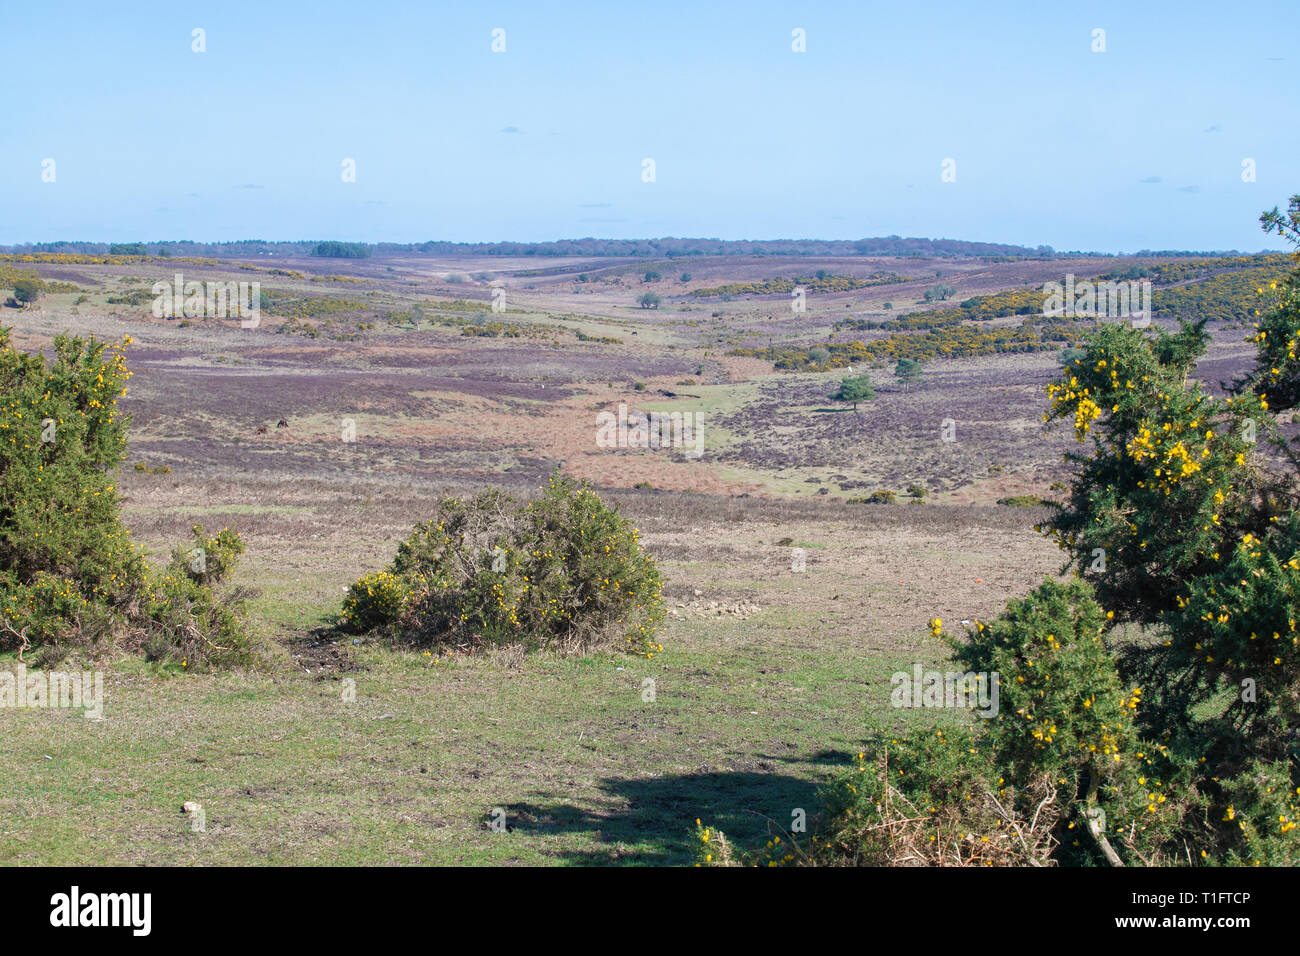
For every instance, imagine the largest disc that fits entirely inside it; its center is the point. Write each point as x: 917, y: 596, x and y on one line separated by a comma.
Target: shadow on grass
x: 653, y: 823
x: 834, y: 410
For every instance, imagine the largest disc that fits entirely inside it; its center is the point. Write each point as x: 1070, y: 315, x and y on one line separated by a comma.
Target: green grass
x: 288, y: 773
x: 747, y: 717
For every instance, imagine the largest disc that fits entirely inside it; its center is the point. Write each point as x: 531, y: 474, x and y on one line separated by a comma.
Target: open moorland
x: 372, y: 387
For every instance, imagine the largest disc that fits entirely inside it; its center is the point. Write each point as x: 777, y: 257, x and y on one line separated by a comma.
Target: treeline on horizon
x: 622, y: 248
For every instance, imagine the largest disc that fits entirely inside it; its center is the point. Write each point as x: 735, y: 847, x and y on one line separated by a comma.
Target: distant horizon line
x: 590, y: 246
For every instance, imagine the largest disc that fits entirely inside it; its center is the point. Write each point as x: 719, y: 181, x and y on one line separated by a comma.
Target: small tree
x: 649, y: 301
x: 652, y: 276
x: 854, y: 390
x: 907, y: 371
x: 27, y: 291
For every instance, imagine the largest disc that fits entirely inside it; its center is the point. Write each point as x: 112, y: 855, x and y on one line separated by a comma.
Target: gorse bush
x: 1184, y: 517
x: 375, y: 600
x: 182, y: 618
x: 1067, y: 719
x: 933, y: 800
x: 824, y: 282
x: 60, y: 434
x: 1184, y: 529
x: 564, y: 571
x: 1059, y: 691
x: 1058, y: 775
x: 41, y: 612
x: 69, y: 573
x: 210, y: 558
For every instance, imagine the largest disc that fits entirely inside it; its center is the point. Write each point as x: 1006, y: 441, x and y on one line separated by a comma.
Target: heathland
x: 802, y: 552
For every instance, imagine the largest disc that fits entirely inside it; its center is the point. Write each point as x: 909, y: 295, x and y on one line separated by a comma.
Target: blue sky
x: 1137, y: 147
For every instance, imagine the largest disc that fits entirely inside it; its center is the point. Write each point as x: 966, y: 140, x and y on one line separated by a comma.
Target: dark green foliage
x: 28, y: 290
x: 134, y: 297
x: 183, y: 618
x: 907, y: 371
x: 60, y: 434
x: 564, y: 571
x: 855, y: 389
x: 69, y: 574
x: 342, y: 250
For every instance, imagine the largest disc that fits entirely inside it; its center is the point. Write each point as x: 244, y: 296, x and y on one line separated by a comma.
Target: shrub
x: 69, y: 574
x: 375, y: 600
x: 134, y: 297
x: 1048, y: 650
x: 935, y: 801
x: 44, y: 612
x: 183, y: 619
x: 1058, y: 775
x: 209, y: 559
x: 1182, y: 529
x: 61, y: 433
x: 564, y: 571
